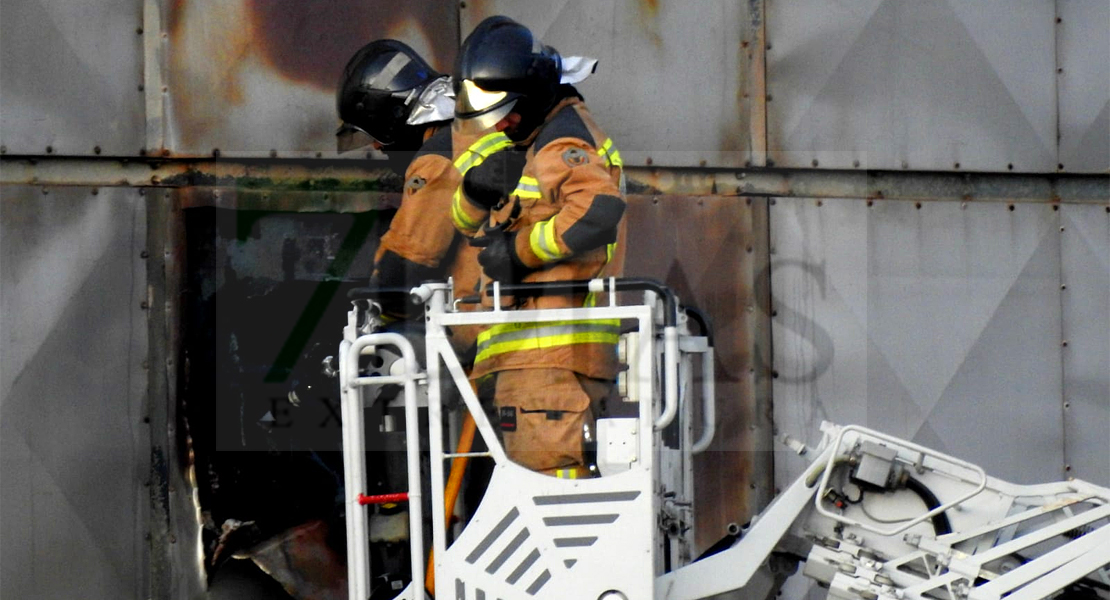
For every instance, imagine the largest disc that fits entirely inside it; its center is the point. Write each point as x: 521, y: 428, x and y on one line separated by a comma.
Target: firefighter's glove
x: 493, y: 181
x: 498, y: 257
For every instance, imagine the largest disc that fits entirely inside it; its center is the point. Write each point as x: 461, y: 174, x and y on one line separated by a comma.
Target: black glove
x: 492, y: 181
x: 498, y: 257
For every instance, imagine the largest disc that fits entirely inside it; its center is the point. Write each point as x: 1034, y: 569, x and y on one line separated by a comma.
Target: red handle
x: 363, y: 499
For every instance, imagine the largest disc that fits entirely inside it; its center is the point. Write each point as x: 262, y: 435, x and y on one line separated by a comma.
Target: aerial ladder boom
x: 872, y: 516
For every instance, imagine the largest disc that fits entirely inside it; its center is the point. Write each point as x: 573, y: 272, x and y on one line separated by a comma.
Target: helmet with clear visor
x: 382, y: 89
x: 503, y: 68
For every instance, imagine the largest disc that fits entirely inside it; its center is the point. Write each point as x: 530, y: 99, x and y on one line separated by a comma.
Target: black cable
x: 941, y: 525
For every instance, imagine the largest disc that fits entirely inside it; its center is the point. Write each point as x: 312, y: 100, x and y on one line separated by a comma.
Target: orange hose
x: 451, y: 493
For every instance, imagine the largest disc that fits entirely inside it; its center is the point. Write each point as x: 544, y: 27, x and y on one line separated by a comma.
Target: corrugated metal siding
x: 74, y: 444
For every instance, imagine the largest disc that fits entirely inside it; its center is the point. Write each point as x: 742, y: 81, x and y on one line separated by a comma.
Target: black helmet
x: 503, y: 68
x: 378, y: 92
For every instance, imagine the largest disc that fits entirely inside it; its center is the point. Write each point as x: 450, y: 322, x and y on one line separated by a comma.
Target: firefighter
x: 391, y: 98
x: 550, y: 209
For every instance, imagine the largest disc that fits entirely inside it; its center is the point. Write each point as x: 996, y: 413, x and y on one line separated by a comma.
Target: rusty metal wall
x: 258, y: 77
x: 71, y: 76
x: 74, y: 446
x: 672, y: 85
x: 706, y: 249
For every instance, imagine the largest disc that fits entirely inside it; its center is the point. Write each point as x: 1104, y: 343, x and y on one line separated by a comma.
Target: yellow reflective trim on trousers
x: 611, y: 155
x: 571, y: 473
x: 513, y: 337
x: 553, y: 341
x: 459, y: 216
x: 542, y: 241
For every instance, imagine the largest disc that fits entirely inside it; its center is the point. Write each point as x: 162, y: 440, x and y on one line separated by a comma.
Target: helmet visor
x: 473, y: 100
x: 350, y: 137
x: 486, y: 121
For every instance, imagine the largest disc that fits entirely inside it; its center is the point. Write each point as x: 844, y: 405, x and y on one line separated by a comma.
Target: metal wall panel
x: 247, y: 77
x: 74, y: 445
x: 1083, y: 84
x: 917, y: 84
x: 71, y: 77
x: 668, y: 84
x: 937, y: 322
x: 708, y: 258
x: 1085, y: 240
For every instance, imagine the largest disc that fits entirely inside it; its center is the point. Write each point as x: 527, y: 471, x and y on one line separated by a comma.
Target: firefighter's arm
x: 421, y: 232
x: 484, y: 167
x: 577, y: 177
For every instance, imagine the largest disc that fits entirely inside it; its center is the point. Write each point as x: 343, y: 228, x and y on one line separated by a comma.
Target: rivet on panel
x: 1055, y: 207
x: 139, y: 30
x: 142, y: 87
x: 45, y: 191
x: 955, y: 165
x: 273, y: 153
x: 747, y: 163
x: 142, y: 151
x: 917, y: 205
x: 319, y: 154
x: 144, y: 254
x: 774, y: 374
x: 905, y: 164
x: 870, y: 203
x: 3, y: 149
x: 1060, y: 166
x: 770, y: 162
x: 655, y: 199
x: 814, y: 162
x: 748, y: 201
x: 1063, y: 286
x: 648, y: 161
x: 750, y: 249
x: 1061, y: 228
x: 855, y: 163
x: 1067, y: 405
x: 768, y: 45
x: 1067, y: 467
x: 1009, y: 166
x: 216, y: 152
x: 1060, y: 70
x: 96, y: 149
x: 95, y: 191
x: 50, y: 149
x: 820, y: 203
x: 142, y: 192
x: 462, y: 4
x: 701, y: 163
x: 165, y: 89
x: 1059, y: 20
x: 144, y: 305
x: 774, y: 201
x: 1064, y: 343
x: 1011, y: 206
x: 770, y: 97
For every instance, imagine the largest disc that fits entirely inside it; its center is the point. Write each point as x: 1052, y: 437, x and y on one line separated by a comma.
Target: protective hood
x: 435, y: 103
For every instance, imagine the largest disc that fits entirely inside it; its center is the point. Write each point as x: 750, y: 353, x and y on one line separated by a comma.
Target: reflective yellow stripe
x: 475, y: 155
x: 566, y: 473
x: 516, y: 337
x: 480, y: 150
x: 611, y: 155
x: 459, y: 215
x: 542, y: 241
x: 527, y: 187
